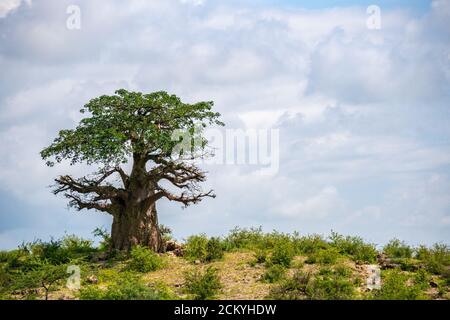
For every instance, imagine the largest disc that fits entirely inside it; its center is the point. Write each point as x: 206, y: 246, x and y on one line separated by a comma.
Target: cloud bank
x: 363, y: 114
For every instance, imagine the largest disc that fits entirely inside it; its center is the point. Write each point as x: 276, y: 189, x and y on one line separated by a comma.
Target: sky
x: 362, y: 112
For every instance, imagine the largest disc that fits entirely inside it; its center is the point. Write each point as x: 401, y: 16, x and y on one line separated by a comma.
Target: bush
x: 355, y: 247
x: 46, y: 276
x: 202, y: 285
x: 214, y: 249
x: 293, y: 288
x: 105, y: 243
x: 260, y: 256
x: 76, y: 246
x: 166, y: 232
x: 127, y: 287
x: 396, y: 286
x: 309, y: 244
x: 199, y: 247
x: 245, y: 238
x: 324, y: 256
x: 50, y: 251
x: 144, y: 260
x: 436, y: 259
x: 330, y: 285
x: 5, y: 279
x: 274, y: 273
x: 282, y: 254
x: 398, y: 249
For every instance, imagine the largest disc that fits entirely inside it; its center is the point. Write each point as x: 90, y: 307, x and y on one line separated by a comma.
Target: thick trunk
x: 136, y: 226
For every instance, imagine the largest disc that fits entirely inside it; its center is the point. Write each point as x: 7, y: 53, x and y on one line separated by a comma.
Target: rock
x: 100, y: 256
x: 92, y: 279
x: 179, y: 252
x: 197, y: 262
x: 385, y: 262
x: 174, y: 246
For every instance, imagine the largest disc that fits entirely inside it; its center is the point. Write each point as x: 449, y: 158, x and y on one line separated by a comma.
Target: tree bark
x: 136, y: 226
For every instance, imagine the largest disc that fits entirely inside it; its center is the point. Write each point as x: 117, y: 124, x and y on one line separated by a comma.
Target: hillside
x: 246, y: 264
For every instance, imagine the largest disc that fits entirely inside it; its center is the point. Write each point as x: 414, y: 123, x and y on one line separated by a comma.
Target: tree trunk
x: 136, y: 226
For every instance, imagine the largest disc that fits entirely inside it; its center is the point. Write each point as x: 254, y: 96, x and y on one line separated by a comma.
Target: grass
x: 246, y: 264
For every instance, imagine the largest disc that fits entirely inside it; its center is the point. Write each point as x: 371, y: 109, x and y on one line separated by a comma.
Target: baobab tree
x: 138, y: 129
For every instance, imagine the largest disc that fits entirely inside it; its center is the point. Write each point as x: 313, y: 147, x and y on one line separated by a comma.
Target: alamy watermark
x: 373, y: 22
x: 374, y: 277
x: 253, y: 147
x: 73, y: 21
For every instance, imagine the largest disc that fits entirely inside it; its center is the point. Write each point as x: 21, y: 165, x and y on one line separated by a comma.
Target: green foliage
x: 105, y: 243
x: 202, y: 285
x: 282, y: 254
x: 199, y: 247
x: 398, y: 249
x: 324, y: 256
x: 292, y: 288
x: 166, y: 232
x: 128, y: 286
x: 51, y: 251
x: 44, y: 276
x: 328, y: 284
x: 5, y: 279
x: 127, y: 122
x: 76, y: 246
x: 436, y: 258
x: 144, y: 260
x: 260, y: 256
x: 274, y: 273
x: 355, y: 247
x: 244, y: 238
x: 214, y: 249
x: 396, y: 286
x: 331, y: 284
x: 310, y: 244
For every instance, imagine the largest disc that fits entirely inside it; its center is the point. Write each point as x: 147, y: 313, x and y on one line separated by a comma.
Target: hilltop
x: 245, y: 264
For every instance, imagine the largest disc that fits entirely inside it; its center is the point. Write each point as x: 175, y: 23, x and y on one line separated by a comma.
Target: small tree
x: 45, y: 276
x: 135, y: 127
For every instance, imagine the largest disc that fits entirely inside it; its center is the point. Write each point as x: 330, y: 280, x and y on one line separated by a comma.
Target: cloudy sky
x: 363, y: 113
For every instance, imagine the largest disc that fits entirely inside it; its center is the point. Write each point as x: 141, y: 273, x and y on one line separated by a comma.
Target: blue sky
x: 363, y: 114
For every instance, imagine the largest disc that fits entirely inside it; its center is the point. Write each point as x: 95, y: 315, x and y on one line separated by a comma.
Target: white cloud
x: 363, y: 114
x: 7, y: 6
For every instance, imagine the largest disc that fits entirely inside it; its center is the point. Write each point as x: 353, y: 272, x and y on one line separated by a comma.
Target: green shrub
x: 292, y: 288
x: 14, y: 259
x: 127, y: 286
x: 355, y: 247
x: 395, y: 285
x: 274, y: 273
x: 5, y: 279
x: 260, y: 256
x: 76, y: 246
x: 105, y: 243
x: 330, y: 285
x: 202, y: 285
x: 245, y: 238
x: 282, y: 254
x: 46, y: 276
x: 50, y: 251
x: 398, y: 249
x: 214, y: 249
x: 199, y: 247
x: 324, y: 256
x: 166, y: 232
x: 407, y: 264
x: 309, y: 244
x: 436, y: 258
x: 144, y: 260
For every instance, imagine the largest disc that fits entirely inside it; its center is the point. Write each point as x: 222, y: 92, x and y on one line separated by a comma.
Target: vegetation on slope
x: 245, y: 264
